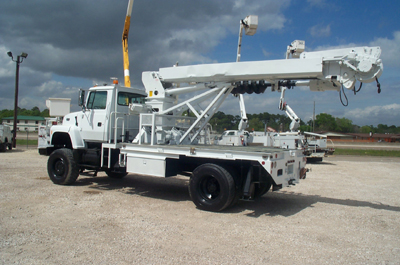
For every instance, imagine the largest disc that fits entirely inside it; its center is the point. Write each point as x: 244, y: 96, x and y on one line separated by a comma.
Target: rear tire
x: 212, y: 187
x: 261, y: 189
x: 62, y: 167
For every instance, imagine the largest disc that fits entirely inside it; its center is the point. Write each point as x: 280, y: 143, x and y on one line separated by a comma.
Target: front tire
x: 212, y: 188
x: 62, y: 167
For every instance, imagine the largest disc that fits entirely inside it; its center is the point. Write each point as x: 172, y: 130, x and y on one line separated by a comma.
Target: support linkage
x: 259, y: 86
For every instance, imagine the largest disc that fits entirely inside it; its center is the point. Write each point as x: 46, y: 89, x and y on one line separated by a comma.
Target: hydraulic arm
x: 295, y: 124
x: 249, y: 24
x: 125, y: 34
x: 323, y: 70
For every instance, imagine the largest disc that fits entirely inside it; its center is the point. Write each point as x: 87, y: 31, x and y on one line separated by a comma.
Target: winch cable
x: 340, y: 95
x: 358, y: 90
x: 378, y: 85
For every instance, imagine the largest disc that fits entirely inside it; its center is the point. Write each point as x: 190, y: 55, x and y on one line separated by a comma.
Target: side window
x: 231, y: 133
x: 124, y: 98
x: 97, y: 100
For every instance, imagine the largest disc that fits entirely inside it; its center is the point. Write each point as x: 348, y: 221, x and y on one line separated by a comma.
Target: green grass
x: 359, y: 152
x: 22, y: 142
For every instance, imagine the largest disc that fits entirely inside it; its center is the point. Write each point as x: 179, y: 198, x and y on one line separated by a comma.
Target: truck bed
x: 211, y: 148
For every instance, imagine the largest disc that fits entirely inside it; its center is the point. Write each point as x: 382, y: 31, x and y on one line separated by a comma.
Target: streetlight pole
x: 20, y: 59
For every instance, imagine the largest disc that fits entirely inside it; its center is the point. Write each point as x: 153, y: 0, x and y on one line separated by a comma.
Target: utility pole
x: 20, y: 59
x: 313, y: 119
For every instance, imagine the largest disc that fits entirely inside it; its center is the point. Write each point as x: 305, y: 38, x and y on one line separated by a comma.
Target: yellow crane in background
x: 125, y: 34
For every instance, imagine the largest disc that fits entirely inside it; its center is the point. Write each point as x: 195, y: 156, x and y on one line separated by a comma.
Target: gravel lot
x: 346, y: 211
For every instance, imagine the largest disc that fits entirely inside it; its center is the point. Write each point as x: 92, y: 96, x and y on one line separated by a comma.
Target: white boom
x: 323, y: 70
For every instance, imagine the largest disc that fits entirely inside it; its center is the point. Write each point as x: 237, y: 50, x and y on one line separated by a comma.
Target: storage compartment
x: 146, y: 166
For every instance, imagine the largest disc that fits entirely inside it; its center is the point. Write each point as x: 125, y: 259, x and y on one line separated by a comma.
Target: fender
x: 73, y: 132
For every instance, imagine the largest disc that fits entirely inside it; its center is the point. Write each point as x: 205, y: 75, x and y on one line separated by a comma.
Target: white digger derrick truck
x: 123, y: 130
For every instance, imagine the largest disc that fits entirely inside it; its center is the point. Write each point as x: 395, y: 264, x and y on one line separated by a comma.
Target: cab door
x: 93, y: 122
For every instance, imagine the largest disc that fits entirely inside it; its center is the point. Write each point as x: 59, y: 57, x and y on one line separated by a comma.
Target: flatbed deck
x: 247, y: 149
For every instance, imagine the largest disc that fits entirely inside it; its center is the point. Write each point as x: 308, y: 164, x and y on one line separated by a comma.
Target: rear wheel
x: 212, y: 188
x: 261, y: 188
x: 62, y: 167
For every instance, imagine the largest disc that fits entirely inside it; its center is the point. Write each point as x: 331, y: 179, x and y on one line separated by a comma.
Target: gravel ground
x: 347, y: 211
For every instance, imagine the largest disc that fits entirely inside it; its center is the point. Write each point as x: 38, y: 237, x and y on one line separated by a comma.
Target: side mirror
x: 81, y: 101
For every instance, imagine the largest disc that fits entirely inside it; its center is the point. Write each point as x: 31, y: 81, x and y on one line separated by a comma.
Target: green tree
x: 45, y: 113
x: 325, y: 122
x: 366, y: 129
x: 35, y: 111
x: 255, y: 124
x: 344, y: 125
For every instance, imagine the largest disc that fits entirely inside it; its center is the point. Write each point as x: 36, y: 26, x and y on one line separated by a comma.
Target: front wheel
x: 62, y: 167
x: 212, y: 187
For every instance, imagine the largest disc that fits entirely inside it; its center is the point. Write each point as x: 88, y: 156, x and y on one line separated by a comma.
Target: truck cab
x: 104, y: 108
x: 105, y: 118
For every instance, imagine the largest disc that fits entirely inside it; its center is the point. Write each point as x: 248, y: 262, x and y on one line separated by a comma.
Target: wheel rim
x: 209, y: 188
x: 59, y: 168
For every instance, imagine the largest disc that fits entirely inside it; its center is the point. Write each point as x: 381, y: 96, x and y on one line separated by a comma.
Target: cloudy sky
x: 74, y: 44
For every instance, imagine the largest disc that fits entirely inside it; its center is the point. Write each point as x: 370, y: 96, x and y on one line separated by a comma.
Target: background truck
x: 234, y: 138
x: 123, y: 130
x: 5, y: 138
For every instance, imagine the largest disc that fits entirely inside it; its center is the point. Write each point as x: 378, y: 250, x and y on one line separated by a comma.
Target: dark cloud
x: 83, y: 38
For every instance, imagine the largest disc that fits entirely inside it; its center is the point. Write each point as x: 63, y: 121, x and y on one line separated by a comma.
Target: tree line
x: 257, y: 122
x: 326, y: 122
x: 280, y: 122
x: 35, y: 111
